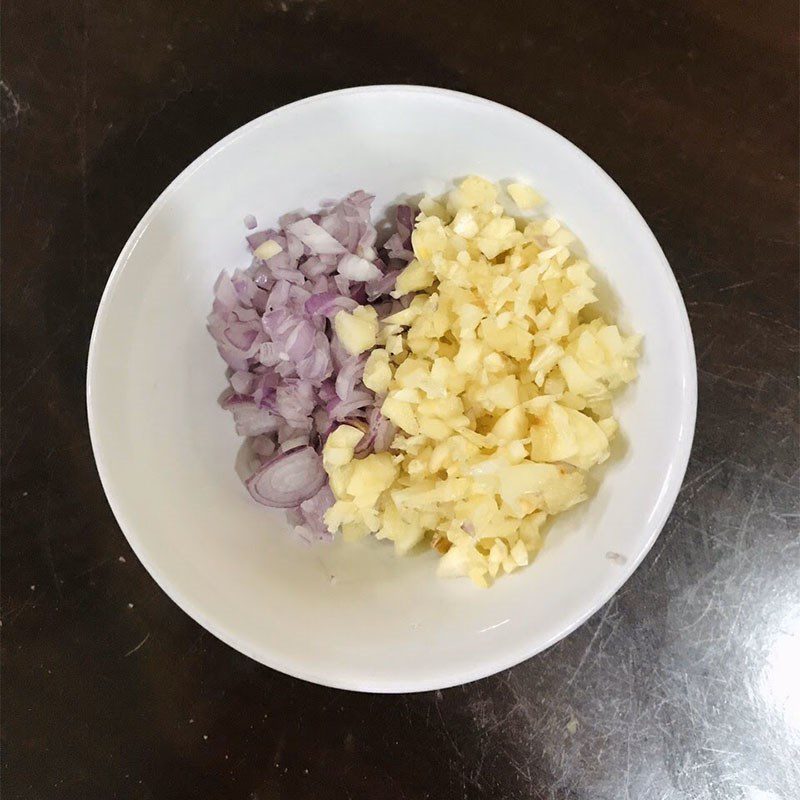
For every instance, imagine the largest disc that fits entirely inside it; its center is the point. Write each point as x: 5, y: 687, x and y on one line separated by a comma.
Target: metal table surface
x: 685, y: 685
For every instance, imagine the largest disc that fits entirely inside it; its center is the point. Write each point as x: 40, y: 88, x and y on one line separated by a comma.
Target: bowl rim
x: 490, y: 665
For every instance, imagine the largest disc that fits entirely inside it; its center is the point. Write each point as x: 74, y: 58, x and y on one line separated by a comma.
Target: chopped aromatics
x: 292, y: 378
x: 453, y: 386
x: 524, y: 196
x: 267, y: 250
x: 357, y: 331
x: 498, y: 378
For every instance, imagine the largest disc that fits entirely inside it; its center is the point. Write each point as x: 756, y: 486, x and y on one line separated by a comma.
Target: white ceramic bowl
x: 354, y: 616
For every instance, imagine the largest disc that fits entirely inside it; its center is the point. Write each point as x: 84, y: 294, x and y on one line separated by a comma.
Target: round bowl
x: 353, y: 615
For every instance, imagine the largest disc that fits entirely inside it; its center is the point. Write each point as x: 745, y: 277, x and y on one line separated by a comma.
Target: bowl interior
x: 353, y: 615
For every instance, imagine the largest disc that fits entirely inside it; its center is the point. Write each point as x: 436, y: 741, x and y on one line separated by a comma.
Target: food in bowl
x: 452, y: 386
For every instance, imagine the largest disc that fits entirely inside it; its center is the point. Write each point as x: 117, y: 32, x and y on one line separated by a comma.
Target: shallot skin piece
x: 291, y: 380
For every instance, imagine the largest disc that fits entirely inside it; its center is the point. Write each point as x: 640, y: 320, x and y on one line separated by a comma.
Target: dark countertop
x: 685, y: 685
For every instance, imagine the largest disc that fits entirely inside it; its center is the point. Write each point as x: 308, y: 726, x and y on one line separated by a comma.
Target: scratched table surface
x: 685, y: 685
